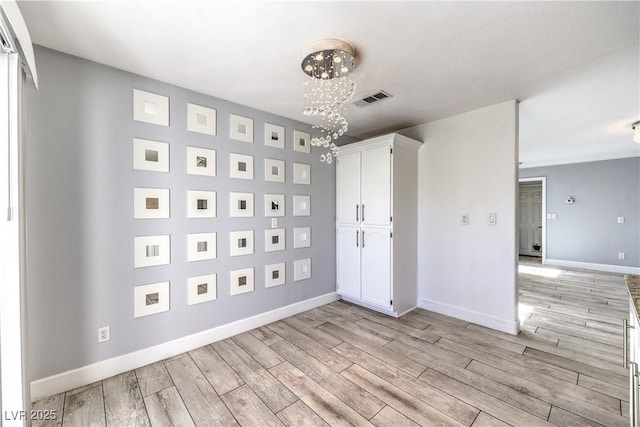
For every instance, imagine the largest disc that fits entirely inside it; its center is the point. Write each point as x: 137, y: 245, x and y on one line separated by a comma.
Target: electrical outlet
x: 620, y: 255
x: 465, y: 219
x: 620, y: 220
x: 104, y: 334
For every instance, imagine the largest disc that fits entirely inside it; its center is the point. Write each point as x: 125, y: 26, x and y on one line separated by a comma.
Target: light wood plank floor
x: 341, y: 364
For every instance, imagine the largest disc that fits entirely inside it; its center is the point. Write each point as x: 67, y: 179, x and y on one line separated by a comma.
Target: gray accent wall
x: 587, y: 230
x: 80, y: 225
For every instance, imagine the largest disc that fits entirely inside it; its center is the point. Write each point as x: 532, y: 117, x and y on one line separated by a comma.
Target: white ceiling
x: 573, y: 65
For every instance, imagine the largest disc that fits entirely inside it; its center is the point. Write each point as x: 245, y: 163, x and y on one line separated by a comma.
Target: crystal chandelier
x: 329, y: 86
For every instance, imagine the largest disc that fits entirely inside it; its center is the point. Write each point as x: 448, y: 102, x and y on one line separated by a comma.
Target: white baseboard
x: 508, y: 326
x: 591, y: 266
x: 107, y: 368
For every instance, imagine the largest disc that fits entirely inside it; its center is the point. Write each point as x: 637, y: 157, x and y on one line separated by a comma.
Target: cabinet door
x: 348, y: 262
x: 376, y: 266
x: 376, y: 186
x: 348, y: 188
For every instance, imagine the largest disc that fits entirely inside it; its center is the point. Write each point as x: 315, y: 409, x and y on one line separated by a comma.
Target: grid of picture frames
x: 155, y: 203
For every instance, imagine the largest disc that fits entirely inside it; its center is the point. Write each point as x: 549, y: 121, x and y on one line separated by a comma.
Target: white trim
x: 392, y: 313
x: 107, y: 368
x: 593, y: 266
x: 380, y: 141
x: 503, y: 325
x: 543, y: 180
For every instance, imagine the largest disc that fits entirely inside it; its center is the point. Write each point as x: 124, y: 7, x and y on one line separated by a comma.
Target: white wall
x: 468, y: 164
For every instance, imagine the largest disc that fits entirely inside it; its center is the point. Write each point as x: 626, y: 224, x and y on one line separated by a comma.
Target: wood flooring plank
x: 390, y: 417
x: 605, y: 387
x: 436, y: 319
x: 320, y: 400
x: 166, y: 408
x: 52, y: 405
x: 153, y: 378
x: 360, y: 400
x: 85, y: 408
x: 123, y: 402
x: 398, y: 399
x: 258, y: 350
x: 266, y: 335
x: 203, y: 403
x: 394, y: 333
x: 315, y: 334
x: 262, y: 383
x: 596, y: 348
x: 248, y: 409
x: 578, y: 331
x: 484, y: 342
x: 317, y: 350
x: 300, y: 415
x: 215, y: 369
x: 486, y: 420
x: 563, y: 418
x: 432, y: 396
x: 428, y: 351
x: 403, y: 324
x: 384, y: 354
x: 340, y: 313
x: 521, y: 338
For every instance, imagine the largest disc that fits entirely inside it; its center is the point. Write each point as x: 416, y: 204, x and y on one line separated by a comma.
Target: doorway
x: 532, y: 213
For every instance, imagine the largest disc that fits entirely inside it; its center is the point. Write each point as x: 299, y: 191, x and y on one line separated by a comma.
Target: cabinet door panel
x: 376, y: 186
x: 348, y: 262
x: 376, y: 266
x: 348, y: 188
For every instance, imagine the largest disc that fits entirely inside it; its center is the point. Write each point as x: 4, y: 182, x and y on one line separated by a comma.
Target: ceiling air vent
x: 372, y: 99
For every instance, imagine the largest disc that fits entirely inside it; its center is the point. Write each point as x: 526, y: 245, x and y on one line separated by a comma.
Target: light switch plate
x: 620, y: 220
x: 465, y: 219
x: 491, y: 219
x: 274, y: 222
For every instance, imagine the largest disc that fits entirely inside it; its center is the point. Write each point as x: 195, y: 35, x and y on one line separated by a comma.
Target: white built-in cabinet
x: 377, y: 221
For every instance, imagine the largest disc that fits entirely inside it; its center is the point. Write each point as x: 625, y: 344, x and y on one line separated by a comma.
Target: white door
x: 348, y: 261
x: 348, y: 188
x: 530, y: 219
x: 376, y: 186
x: 376, y: 266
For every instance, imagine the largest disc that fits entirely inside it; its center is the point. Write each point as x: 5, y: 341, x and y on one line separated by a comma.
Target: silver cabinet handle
x: 633, y: 370
x: 357, y: 215
x: 363, y: 238
x: 362, y: 213
x: 357, y: 238
x: 625, y: 342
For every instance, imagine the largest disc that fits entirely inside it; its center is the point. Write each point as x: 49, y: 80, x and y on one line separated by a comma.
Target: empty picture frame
x: 301, y: 173
x: 201, y: 119
x: 150, y: 108
x: 150, y: 299
x: 301, y: 141
x: 201, y: 204
x: 301, y: 205
x: 150, y: 155
x: 274, y: 205
x: 201, y: 161
x: 150, y: 203
x: 151, y: 250
x: 274, y: 240
x: 274, y: 275
x: 240, y: 166
x: 302, y: 237
x: 201, y: 246
x: 273, y: 170
x: 202, y: 289
x: 273, y: 135
x: 240, y: 128
x: 302, y: 269
x: 241, y: 242
x: 241, y: 205
x: 241, y: 281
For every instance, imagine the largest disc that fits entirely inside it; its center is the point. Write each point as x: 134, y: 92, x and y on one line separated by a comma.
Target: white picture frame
x: 202, y: 289
x: 152, y: 156
x: 151, y: 299
x: 274, y: 239
x: 201, y: 161
x: 302, y: 269
x: 241, y: 242
x: 201, y: 119
x: 201, y: 204
x: 274, y: 205
x: 151, y: 203
x: 240, y: 166
x: 274, y: 170
x: 242, y: 281
x: 274, y: 275
x: 273, y: 135
x: 301, y: 141
x: 150, y: 251
x: 301, y: 237
x: 240, y: 128
x: 302, y: 173
x: 241, y: 205
x: 301, y: 205
x: 201, y: 246
x: 150, y: 107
